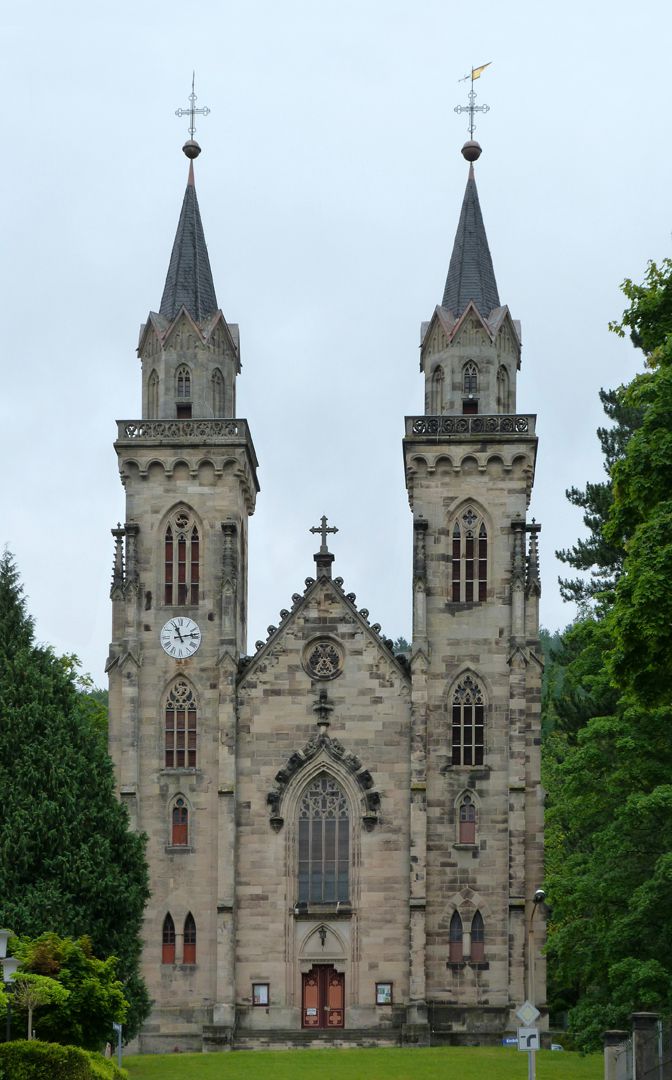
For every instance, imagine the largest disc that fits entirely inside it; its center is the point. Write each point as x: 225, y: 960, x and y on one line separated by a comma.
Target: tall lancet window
x: 455, y: 952
x: 181, y: 560
x: 217, y: 393
x: 180, y: 727
x: 470, y: 379
x: 189, y: 942
x: 477, y: 939
x: 183, y: 383
x: 468, y: 741
x: 168, y: 940
x: 324, y: 843
x: 469, y: 388
x: 183, y: 392
x: 503, y: 404
x: 153, y: 395
x: 469, y: 558
x: 436, y: 392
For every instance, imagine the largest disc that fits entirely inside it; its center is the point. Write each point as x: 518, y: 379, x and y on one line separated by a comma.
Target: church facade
x: 344, y: 842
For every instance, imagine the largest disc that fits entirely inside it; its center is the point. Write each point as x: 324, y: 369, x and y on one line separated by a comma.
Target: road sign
x: 528, y: 1013
x: 115, y: 1026
x: 528, y: 1038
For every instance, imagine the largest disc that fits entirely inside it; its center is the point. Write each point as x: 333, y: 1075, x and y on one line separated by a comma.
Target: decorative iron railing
x: 496, y: 424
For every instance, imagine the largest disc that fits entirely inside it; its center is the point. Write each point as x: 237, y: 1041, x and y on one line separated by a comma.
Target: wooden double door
x: 323, y: 997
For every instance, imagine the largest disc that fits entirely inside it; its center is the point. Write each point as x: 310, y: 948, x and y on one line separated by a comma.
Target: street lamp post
x: 9, y: 966
x: 537, y: 899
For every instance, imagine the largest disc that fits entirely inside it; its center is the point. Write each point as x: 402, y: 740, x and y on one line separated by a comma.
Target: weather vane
x: 472, y: 108
x: 192, y: 111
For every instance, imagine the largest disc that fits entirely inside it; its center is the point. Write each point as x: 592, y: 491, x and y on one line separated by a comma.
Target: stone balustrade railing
x: 479, y: 425
x: 182, y: 431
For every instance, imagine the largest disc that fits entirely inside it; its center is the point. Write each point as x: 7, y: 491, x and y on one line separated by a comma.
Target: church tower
x: 179, y: 597
x: 476, y: 801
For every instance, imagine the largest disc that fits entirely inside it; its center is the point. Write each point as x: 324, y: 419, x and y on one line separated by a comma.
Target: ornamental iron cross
x: 323, y: 529
x: 472, y: 108
x: 192, y: 111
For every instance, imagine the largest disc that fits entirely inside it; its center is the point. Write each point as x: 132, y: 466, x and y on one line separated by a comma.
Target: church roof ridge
x: 471, y: 275
x: 189, y: 281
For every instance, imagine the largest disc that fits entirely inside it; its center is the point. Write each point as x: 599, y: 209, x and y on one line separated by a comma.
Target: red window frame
x: 189, y: 945
x: 168, y: 941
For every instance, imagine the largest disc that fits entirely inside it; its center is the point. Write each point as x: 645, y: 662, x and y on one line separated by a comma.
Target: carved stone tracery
x: 334, y: 749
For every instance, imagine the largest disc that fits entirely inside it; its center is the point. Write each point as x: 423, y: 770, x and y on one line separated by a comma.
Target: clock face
x: 180, y: 637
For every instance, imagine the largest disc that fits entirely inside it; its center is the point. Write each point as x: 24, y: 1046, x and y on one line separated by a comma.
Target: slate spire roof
x: 189, y: 279
x: 471, y: 275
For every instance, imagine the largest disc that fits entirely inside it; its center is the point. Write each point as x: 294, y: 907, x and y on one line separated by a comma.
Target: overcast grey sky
x: 330, y: 187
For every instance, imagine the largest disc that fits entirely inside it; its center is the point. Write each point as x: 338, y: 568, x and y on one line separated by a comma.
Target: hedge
x: 36, y: 1060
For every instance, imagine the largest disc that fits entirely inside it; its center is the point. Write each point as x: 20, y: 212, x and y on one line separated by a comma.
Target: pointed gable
x: 471, y: 275
x: 299, y: 621
x: 189, y: 280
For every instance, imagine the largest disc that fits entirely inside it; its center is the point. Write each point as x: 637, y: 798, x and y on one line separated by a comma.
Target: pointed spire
x: 189, y: 279
x: 471, y: 275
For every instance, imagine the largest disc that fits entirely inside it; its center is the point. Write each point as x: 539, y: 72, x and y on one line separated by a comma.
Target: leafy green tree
x: 68, y: 861
x: 95, y: 994
x: 608, y: 763
x: 32, y: 991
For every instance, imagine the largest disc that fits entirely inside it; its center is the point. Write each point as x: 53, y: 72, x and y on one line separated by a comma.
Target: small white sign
x: 528, y: 1013
x: 528, y: 1038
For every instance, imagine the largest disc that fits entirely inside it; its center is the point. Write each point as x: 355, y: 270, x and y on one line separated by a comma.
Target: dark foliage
x: 68, y: 862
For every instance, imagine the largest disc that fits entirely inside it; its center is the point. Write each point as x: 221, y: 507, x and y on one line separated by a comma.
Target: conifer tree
x: 68, y: 862
x: 609, y: 819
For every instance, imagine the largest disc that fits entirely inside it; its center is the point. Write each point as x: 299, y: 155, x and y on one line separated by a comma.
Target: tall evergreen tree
x: 68, y: 862
x: 608, y: 775
x: 595, y: 554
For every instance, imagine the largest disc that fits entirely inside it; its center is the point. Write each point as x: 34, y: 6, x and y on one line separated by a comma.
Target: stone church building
x: 344, y: 843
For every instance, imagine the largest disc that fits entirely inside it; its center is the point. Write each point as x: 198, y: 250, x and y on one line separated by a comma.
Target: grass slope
x: 446, y: 1063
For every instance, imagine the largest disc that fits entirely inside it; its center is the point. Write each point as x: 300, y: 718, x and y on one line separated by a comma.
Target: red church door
x: 323, y: 1004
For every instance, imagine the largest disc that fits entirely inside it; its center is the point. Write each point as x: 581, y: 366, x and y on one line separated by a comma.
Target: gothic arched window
x: 217, y: 393
x: 181, y: 560
x: 179, y: 834
x: 183, y: 383
x: 324, y: 843
x: 455, y: 955
x: 468, y: 742
x: 436, y: 393
x: 502, y: 390
x: 168, y: 941
x: 189, y: 945
x: 469, y: 559
x: 470, y: 379
x: 153, y: 395
x: 180, y: 727
x: 466, y: 832
x: 477, y: 939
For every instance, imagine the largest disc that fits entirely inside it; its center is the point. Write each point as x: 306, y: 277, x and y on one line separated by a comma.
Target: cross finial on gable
x: 323, y: 558
x: 323, y: 529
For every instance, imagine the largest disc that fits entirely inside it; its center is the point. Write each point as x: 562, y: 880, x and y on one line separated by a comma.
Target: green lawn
x: 450, y: 1063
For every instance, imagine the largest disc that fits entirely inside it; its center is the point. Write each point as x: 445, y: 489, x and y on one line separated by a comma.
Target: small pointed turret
x: 471, y: 275
x: 189, y: 281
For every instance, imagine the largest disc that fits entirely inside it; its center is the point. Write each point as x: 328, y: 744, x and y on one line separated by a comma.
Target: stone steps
x: 216, y: 1038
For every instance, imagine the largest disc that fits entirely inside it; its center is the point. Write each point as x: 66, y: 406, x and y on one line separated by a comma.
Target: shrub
x: 104, y: 1068
x: 36, y: 1060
